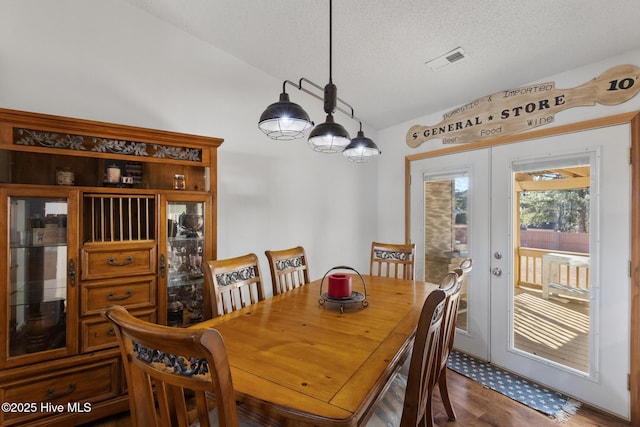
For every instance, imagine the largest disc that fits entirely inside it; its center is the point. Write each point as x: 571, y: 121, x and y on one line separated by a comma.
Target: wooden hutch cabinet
x: 93, y: 214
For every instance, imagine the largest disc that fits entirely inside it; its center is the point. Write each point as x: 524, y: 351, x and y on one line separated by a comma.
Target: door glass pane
x: 551, y: 298
x: 447, y: 231
x: 185, y: 246
x: 38, y: 274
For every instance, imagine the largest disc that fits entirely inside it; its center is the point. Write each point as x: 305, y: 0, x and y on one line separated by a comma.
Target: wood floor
x: 476, y: 406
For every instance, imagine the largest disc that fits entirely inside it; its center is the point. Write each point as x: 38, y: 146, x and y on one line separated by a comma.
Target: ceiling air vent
x: 457, y: 54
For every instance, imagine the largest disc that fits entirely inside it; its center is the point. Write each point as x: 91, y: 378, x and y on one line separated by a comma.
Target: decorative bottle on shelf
x: 174, y: 311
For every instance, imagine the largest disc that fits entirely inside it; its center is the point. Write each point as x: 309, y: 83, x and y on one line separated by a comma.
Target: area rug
x: 547, y: 401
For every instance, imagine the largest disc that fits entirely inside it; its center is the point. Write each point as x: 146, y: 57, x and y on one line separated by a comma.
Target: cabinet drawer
x: 105, y: 260
x: 87, y: 384
x: 98, y: 334
x: 139, y: 292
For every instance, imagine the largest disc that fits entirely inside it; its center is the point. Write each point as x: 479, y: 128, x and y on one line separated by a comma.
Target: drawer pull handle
x: 112, y: 261
x: 127, y: 294
x: 51, y: 393
x: 111, y: 332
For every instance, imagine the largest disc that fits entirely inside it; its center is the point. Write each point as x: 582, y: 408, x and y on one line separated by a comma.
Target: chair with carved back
x: 392, y: 260
x: 289, y: 269
x: 231, y: 284
x: 187, y: 370
x: 424, y: 363
x: 452, y: 286
x: 406, y: 401
x: 390, y: 405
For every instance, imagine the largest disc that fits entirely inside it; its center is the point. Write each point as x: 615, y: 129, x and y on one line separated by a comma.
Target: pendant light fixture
x: 329, y: 137
x: 361, y: 148
x: 285, y: 120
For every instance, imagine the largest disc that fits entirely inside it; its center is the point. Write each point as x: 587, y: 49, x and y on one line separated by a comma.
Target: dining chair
x: 466, y: 265
x: 390, y: 404
x: 392, y: 260
x: 289, y: 269
x: 416, y: 387
x: 187, y: 370
x: 232, y: 283
x: 452, y: 286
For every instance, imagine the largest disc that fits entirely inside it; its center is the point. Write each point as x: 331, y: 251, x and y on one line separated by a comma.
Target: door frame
x: 631, y: 118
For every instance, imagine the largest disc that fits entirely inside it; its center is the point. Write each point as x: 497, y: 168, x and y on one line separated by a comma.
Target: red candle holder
x: 339, y: 286
x: 340, y: 292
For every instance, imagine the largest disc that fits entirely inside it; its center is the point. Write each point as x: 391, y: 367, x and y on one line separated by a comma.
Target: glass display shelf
x: 38, y: 274
x: 186, y: 251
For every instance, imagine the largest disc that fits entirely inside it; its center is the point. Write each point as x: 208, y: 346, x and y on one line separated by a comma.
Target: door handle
x: 72, y: 272
x: 497, y: 272
x: 163, y: 266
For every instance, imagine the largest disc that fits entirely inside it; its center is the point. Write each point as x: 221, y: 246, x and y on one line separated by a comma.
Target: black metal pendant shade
x: 361, y: 149
x: 329, y: 137
x: 285, y: 120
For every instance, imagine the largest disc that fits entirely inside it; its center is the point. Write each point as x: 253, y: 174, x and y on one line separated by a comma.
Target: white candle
x: 113, y: 174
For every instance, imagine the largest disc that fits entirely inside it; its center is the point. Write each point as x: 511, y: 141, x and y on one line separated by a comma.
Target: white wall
x: 392, y: 140
x: 109, y: 61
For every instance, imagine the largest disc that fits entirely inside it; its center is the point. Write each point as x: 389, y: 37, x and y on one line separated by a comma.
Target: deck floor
x: 556, y: 328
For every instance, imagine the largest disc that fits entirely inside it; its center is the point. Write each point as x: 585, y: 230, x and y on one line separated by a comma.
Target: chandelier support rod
x: 348, y: 111
x: 330, y: 41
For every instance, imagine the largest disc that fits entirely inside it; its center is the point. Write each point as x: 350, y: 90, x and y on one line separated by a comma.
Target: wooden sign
x: 516, y: 110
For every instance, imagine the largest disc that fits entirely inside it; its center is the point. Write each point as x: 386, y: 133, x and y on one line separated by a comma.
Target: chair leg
x: 427, y: 418
x: 444, y: 394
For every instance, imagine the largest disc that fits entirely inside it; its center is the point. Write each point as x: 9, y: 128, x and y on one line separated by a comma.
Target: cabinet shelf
x: 31, y: 246
x: 40, y: 169
x: 119, y: 217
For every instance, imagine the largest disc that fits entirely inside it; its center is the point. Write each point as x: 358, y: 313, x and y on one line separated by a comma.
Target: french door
x: 437, y: 184
x: 558, y: 315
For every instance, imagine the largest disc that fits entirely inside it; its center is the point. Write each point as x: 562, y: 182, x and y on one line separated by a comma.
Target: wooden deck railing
x: 564, y: 277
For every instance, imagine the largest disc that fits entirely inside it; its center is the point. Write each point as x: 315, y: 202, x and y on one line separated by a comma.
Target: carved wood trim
x: 69, y: 141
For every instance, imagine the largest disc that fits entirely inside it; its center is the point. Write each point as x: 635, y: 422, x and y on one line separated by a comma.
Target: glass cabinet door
x: 38, y: 275
x: 185, y: 251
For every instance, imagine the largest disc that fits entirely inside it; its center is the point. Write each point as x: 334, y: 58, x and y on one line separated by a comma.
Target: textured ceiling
x: 380, y: 46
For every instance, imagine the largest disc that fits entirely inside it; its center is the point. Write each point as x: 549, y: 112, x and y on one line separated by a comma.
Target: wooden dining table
x: 300, y: 359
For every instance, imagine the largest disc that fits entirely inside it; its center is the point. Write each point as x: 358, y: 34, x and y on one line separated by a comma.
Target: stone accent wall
x: 439, y: 218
